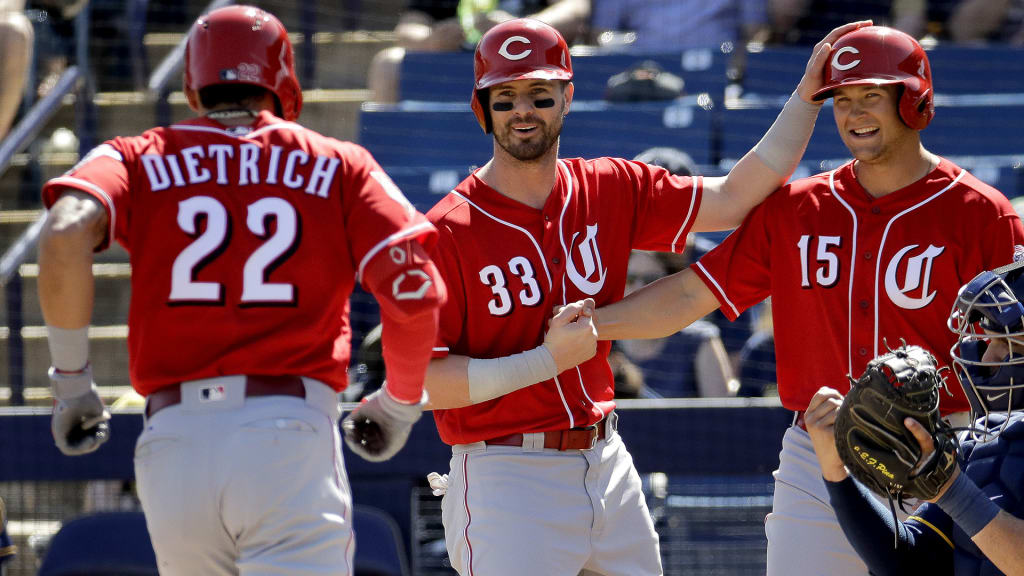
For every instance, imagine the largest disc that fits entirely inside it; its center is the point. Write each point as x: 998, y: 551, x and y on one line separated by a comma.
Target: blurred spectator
x: 988, y: 21
x: 629, y: 378
x: 367, y: 375
x: 808, y: 21
x: 7, y: 549
x: 644, y: 81
x: 733, y: 334
x: 451, y: 25
x: 757, y: 359
x: 674, y: 25
x: 16, y: 40
x: 689, y: 363
x: 55, y: 33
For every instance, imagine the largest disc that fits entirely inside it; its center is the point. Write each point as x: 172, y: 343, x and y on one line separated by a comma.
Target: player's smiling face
x: 527, y: 116
x: 868, y: 121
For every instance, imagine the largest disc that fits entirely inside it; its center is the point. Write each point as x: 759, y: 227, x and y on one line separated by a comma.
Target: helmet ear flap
x: 481, y: 103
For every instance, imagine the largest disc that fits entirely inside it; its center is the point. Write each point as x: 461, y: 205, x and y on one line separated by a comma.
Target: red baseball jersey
x: 507, y: 265
x: 245, y: 244
x: 848, y: 273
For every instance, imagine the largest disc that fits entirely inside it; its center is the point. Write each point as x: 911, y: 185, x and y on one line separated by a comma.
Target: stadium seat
x: 447, y: 134
x: 101, y: 544
x: 447, y: 76
x: 379, y: 549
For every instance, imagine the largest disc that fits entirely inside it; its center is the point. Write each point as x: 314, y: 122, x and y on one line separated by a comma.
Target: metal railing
x: 75, y: 78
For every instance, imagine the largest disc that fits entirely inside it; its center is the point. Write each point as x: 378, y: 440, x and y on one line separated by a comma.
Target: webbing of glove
x: 873, y: 441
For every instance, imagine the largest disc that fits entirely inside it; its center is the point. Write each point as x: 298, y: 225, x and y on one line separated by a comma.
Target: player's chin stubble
x: 532, y: 148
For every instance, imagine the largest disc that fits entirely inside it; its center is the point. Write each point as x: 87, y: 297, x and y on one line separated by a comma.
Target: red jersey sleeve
x: 103, y: 175
x: 666, y: 207
x: 377, y: 214
x: 1001, y: 241
x: 451, y: 321
x: 738, y: 271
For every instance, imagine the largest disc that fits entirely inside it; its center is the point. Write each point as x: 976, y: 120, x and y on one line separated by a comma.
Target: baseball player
x: 247, y: 232
x: 869, y: 253
x: 975, y: 525
x: 540, y: 483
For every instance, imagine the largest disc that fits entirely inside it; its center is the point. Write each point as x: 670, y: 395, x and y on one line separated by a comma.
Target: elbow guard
x: 404, y: 281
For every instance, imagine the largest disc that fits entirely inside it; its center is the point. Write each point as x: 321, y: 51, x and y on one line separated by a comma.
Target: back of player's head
x: 519, y: 49
x: 243, y: 45
x: 877, y: 55
x: 989, y: 312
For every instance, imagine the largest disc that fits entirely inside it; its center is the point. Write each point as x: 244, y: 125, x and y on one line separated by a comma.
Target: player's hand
x: 820, y: 419
x: 379, y: 427
x: 80, y: 420
x: 572, y: 337
x: 814, y: 74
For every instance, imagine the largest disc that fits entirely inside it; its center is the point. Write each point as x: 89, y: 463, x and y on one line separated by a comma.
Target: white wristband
x: 784, y: 143
x: 69, y: 349
x: 490, y: 378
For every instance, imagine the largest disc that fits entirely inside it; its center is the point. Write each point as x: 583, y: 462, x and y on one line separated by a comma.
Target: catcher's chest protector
x: 997, y: 467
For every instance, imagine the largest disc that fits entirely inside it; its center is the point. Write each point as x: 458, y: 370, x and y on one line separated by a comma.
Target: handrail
x: 18, y: 140
x: 171, y: 64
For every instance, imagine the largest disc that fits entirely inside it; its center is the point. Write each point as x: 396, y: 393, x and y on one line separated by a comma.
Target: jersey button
x: 867, y: 255
x: 875, y: 209
x: 556, y: 260
x: 864, y: 304
x: 547, y: 218
x: 863, y: 351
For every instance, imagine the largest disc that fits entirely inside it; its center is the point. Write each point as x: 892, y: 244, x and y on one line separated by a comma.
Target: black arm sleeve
x: 916, y: 548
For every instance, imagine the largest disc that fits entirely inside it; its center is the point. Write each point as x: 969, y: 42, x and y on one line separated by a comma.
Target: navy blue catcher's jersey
x: 997, y: 468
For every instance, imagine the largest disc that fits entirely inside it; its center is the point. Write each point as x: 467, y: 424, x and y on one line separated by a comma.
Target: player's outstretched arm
x: 998, y: 534
x: 771, y: 162
x: 457, y: 381
x: 659, y: 309
x: 74, y: 226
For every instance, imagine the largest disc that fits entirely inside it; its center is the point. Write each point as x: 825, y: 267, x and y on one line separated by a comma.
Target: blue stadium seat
x: 955, y: 69
x: 448, y: 76
x: 447, y: 134
x: 379, y: 549
x: 102, y: 544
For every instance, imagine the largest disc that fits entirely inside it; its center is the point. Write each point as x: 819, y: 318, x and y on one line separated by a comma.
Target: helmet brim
x: 826, y: 92
x: 539, y: 73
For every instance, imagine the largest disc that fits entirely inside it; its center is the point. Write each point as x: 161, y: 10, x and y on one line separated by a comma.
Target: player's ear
x: 567, y: 93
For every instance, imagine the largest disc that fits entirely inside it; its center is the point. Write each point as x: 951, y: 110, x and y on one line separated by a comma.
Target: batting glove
x: 379, y: 427
x: 80, y: 420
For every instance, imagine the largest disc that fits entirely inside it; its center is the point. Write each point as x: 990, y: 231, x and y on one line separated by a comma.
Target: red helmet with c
x: 881, y: 55
x: 518, y: 49
x: 243, y: 45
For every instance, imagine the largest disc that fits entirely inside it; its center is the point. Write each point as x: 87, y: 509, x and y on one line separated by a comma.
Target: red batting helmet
x: 519, y: 49
x: 880, y: 55
x: 243, y: 45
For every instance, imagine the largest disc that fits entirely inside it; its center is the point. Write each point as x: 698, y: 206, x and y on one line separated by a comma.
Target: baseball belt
x: 581, y: 438
x: 255, y: 385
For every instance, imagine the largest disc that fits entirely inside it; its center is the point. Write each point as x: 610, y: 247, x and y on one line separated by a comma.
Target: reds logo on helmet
x: 519, y: 49
x: 243, y: 45
x: 879, y: 55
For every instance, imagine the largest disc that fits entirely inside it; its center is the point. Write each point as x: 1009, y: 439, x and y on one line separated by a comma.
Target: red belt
x: 798, y: 421
x: 254, y: 386
x: 571, y: 439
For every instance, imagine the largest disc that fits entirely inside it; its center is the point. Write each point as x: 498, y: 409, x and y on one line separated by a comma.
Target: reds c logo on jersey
x: 916, y: 279
x: 590, y: 257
